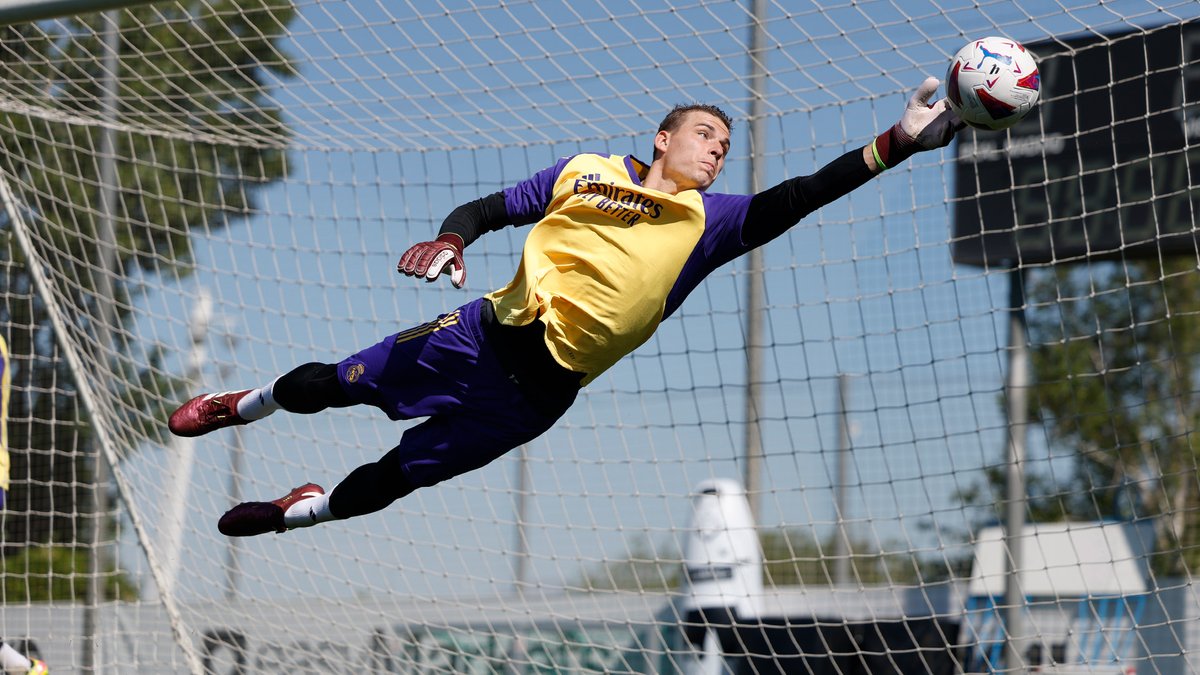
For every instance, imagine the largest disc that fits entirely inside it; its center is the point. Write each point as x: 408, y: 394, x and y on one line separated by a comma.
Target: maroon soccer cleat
x: 206, y: 413
x: 250, y: 518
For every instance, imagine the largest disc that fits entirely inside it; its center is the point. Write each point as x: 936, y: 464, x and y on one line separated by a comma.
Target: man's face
x: 694, y: 153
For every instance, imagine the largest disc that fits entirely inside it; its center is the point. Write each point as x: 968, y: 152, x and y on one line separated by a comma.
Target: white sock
x: 258, y: 403
x: 12, y: 661
x: 308, y: 512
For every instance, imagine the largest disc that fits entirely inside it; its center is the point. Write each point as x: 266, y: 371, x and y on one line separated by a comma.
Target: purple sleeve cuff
x: 527, y: 201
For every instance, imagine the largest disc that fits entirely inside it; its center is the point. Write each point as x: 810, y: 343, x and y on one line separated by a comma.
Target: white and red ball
x: 992, y: 83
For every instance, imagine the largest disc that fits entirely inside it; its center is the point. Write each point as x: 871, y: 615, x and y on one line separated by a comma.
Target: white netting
x: 236, y: 207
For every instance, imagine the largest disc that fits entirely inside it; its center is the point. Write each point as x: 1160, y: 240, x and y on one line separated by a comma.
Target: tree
x: 646, y: 567
x: 791, y: 556
x: 206, y: 138
x: 1115, y: 348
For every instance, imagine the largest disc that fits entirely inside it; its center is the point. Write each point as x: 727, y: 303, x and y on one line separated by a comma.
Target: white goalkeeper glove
x: 923, y: 126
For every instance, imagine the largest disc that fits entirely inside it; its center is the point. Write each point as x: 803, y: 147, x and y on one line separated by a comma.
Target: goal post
x: 262, y: 164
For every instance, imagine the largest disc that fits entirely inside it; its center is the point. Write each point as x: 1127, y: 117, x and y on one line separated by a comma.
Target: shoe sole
x: 251, y: 519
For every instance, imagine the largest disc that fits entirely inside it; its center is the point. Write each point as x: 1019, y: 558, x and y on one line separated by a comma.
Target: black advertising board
x: 1107, y: 165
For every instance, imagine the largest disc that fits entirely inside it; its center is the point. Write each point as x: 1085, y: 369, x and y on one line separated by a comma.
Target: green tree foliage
x: 647, y: 567
x: 197, y: 138
x: 39, y: 573
x: 791, y: 557
x: 1115, y: 349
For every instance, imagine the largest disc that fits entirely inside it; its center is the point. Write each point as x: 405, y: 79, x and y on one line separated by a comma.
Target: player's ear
x: 661, y: 140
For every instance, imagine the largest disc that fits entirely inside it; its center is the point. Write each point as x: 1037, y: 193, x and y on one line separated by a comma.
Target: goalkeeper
x: 615, y: 248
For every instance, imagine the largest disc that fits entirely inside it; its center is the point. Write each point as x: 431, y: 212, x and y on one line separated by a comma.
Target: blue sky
x: 402, y: 112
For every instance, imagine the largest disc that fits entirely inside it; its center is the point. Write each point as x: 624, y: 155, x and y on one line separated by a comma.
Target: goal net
x: 198, y: 196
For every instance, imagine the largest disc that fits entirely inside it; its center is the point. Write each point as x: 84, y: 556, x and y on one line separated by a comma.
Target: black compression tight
x: 311, y: 388
x: 370, y: 488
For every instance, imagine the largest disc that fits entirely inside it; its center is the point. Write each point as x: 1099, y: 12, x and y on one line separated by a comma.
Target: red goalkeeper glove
x: 430, y: 258
x: 922, y: 127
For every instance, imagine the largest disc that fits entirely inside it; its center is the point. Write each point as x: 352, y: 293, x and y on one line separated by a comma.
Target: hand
x: 430, y: 258
x: 922, y: 127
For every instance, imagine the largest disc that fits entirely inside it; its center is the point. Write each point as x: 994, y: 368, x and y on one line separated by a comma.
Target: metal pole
x: 1016, y: 392
x: 754, y: 264
x: 106, y: 319
x: 237, y: 454
x: 181, y: 452
x: 841, y: 555
x: 233, y: 568
x: 521, y: 563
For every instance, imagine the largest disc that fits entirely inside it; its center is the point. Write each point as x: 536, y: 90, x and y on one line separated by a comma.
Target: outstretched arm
x: 465, y: 224
x: 921, y: 127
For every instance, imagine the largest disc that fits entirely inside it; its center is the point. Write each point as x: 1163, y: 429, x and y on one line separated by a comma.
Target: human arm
x: 921, y: 127
x: 465, y: 224
x: 521, y: 204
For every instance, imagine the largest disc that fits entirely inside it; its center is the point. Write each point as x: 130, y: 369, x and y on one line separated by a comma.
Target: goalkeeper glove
x: 922, y: 127
x: 430, y: 258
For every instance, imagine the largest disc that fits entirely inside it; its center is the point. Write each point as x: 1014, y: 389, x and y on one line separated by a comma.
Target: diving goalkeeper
x: 616, y: 246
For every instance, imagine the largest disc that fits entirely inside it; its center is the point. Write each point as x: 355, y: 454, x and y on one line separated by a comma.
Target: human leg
x: 403, y: 375
x: 310, y: 388
x: 439, y: 448
x: 442, y: 370
x: 306, y: 389
x: 369, y: 488
x: 250, y: 518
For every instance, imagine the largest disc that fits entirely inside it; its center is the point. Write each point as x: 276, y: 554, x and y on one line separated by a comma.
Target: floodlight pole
x: 1016, y: 392
x: 177, y: 477
x: 521, y: 510
x: 233, y: 565
x: 841, y: 543
x: 754, y: 263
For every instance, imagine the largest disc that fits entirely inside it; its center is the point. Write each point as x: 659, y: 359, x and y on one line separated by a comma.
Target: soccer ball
x: 992, y: 83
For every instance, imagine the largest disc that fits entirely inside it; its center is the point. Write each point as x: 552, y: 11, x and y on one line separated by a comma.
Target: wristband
x: 893, y: 146
x: 878, y: 159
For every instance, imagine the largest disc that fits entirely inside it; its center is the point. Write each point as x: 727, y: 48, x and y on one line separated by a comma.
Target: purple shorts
x: 446, y: 371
